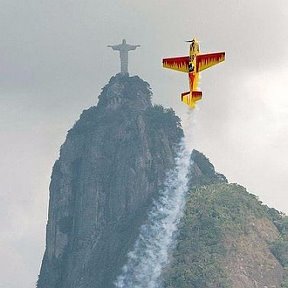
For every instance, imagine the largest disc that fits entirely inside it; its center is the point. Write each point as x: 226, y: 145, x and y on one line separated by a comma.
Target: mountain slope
x: 112, y: 163
x: 227, y: 237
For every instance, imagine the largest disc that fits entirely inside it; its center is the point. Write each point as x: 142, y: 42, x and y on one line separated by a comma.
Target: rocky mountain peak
x: 202, y: 171
x: 113, y: 162
x: 124, y: 91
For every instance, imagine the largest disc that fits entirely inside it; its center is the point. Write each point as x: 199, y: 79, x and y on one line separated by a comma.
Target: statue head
x: 124, y: 41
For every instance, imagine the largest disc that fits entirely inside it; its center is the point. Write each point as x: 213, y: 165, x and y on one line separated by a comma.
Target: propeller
x: 190, y: 41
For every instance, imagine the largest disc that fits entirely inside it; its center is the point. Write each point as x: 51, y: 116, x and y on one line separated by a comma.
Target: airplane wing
x: 205, y: 61
x: 179, y: 63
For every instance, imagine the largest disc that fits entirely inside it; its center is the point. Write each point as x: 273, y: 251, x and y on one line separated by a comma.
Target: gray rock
x: 111, y: 165
x: 202, y: 172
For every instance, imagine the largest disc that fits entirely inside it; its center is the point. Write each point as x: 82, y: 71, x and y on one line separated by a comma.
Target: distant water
x: 157, y: 237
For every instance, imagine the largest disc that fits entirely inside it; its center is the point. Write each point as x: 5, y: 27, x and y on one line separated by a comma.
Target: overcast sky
x: 54, y: 62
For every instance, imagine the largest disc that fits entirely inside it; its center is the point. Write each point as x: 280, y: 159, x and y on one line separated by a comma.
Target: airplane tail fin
x: 189, y: 99
x: 197, y: 95
x: 183, y: 95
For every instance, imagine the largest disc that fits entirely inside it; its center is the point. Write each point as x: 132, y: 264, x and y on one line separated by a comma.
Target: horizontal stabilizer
x: 196, y: 95
x: 191, y: 99
x: 184, y: 94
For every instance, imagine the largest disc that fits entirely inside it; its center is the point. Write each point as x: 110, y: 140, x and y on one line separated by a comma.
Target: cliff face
x: 113, y: 161
x: 202, y: 172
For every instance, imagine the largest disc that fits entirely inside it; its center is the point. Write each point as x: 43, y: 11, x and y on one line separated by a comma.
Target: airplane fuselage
x: 193, y: 74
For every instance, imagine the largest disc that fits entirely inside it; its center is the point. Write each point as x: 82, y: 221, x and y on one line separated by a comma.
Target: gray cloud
x: 54, y: 62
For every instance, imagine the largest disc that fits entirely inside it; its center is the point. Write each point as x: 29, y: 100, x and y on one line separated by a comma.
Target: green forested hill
x: 228, y: 239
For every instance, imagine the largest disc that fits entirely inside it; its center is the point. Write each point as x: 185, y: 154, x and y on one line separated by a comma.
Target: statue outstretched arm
x: 133, y: 47
x: 114, y: 47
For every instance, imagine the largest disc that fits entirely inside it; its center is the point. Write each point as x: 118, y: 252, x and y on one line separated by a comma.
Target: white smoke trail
x: 157, y: 237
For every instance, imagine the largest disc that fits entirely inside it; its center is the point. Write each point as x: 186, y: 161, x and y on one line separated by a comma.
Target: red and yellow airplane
x: 193, y: 65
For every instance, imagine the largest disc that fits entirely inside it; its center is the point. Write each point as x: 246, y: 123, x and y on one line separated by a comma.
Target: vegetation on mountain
x: 158, y: 117
x: 202, y: 171
x: 279, y: 247
x: 215, y: 216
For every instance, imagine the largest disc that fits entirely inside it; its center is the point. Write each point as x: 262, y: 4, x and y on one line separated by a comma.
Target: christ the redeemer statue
x: 124, y: 49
